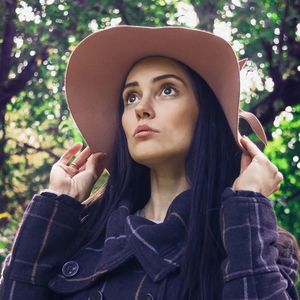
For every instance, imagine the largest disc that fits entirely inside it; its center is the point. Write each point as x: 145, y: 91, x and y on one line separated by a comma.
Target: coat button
x: 148, y: 296
x: 70, y: 268
x: 96, y: 295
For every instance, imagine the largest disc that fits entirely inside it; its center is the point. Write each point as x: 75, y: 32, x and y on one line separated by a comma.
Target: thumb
x: 250, y: 146
x: 245, y: 161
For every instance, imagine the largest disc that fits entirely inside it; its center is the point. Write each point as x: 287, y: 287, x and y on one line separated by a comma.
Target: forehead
x: 156, y: 64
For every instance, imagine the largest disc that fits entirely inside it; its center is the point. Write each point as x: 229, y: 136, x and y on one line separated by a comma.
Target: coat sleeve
x: 254, y: 268
x: 49, y: 225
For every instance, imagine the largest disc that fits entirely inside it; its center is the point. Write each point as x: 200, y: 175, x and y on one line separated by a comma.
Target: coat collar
x: 157, y: 247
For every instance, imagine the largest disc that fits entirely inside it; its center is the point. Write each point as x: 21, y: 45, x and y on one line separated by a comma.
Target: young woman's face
x: 159, y: 93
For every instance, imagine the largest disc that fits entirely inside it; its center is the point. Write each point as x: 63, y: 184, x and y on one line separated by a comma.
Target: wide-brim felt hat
x: 99, y: 64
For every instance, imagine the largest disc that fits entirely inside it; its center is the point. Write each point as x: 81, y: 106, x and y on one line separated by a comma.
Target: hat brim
x: 99, y: 64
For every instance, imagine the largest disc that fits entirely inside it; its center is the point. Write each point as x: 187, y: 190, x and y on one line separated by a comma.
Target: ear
x: 242, y: 63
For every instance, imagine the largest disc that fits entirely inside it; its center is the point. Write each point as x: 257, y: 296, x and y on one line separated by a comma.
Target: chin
x: 146, y: 160
x: 154, y: 158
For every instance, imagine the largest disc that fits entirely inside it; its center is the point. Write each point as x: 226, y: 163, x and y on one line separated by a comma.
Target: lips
x: 143, y: 128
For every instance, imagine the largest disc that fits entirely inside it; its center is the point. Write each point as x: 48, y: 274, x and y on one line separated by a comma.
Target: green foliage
x: 285, y: 150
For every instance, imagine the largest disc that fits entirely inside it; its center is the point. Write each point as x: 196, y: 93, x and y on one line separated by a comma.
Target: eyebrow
x: 161, y: 77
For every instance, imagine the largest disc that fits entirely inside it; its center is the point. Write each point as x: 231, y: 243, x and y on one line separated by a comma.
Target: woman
x: 184, y: 213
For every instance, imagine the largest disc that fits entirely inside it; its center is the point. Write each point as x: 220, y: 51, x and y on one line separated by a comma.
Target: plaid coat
x: 138, y: 259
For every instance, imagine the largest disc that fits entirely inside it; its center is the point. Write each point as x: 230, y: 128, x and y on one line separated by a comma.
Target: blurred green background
x: 37, y: 38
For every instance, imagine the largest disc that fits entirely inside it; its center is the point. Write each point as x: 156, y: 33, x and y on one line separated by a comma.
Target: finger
x: 75, y: 168
x: 82, y: 168
x: 276, y: 188
x: 279, y: 176
x: 65, y: 158
x: 250, y: 146
x: 96, y: 163
x: 83, y: 156
x: 68, y: 170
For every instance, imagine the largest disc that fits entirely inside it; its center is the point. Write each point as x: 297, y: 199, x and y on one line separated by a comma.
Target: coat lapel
x: 157, y: 247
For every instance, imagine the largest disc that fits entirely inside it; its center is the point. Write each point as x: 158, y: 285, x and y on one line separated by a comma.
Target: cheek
x: 185, y: 122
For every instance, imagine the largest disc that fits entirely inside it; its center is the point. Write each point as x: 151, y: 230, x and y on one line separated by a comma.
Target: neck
x: 166, y: 184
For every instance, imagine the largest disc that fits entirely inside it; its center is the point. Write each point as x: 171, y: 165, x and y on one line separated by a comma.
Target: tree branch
x: 120, y: 6
x: 8, y: 41
x: 14, y: 86
x: 28, y: 146
x: 284, y: 201
x: 274, y: 72
x: 288, y: 93
x: 282, y: 32
x: 206, y: 12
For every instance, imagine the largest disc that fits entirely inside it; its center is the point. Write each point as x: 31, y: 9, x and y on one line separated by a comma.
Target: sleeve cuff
x: 244, y: 195
x: 64, y: 199
x: 50, y: 191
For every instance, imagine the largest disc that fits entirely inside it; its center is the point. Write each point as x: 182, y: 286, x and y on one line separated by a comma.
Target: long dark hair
x: 212, y: 164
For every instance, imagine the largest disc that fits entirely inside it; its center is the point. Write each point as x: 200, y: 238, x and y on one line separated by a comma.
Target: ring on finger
x: 73, y: 164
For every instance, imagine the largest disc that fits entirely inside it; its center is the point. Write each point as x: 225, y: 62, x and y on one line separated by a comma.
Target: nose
x: 144, y: 109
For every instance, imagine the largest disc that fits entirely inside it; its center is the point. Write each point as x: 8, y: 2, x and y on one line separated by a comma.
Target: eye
x: 130, y: 98
x: 169, y: 90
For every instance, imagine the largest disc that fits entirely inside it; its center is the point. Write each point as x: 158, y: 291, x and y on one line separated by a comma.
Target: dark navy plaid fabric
x: 253, y: 268
x: 139, y: 259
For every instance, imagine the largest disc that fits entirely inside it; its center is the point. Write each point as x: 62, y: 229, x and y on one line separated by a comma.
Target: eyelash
x: 164, y: 86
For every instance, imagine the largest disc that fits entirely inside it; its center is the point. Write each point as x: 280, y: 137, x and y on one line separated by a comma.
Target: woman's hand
x: 77, y: 183
x: 257, y: 172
